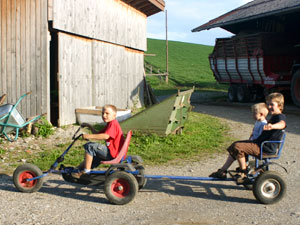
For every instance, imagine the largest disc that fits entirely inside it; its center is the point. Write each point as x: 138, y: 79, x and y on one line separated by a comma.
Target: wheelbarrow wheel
x: 140, y: 177
x: 24, y: 172
x: 120, y: 187
x: 269, y: 187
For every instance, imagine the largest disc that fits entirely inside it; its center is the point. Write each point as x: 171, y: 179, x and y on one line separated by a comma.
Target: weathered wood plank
x: 28, y: 56
x: 45, y: 71
x: 75, y: 87
x: 33, y: 75
x: 8, y: 53
x: 50, y: 9
x: 108, y: 20
x: 13, y: 52
x: 23, y: 29
x: 18, y: 49
x: 1, y: 18
x: 95, y: 73
x: 23, y: 88
x: 38, y: 77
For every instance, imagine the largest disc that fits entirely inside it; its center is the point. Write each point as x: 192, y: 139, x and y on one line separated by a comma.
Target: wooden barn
x: 73, y: 53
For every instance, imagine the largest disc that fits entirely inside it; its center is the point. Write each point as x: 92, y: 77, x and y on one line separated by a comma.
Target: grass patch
x: 45, y: 129
x: 46, y: 158
x: 202, y: 136
x: 188, y: 66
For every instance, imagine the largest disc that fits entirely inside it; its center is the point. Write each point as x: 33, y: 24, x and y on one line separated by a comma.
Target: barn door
x: 74, y: 76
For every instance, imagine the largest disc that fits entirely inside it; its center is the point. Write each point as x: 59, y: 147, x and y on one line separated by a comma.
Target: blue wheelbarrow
x: 11, y: 120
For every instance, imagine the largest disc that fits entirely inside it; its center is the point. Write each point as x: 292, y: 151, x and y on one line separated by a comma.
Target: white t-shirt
x: 258, y: 128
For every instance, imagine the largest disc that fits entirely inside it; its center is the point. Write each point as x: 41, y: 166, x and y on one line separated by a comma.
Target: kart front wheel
x: 120, y: 187
x: 269, y: 187
x: 25, y: 172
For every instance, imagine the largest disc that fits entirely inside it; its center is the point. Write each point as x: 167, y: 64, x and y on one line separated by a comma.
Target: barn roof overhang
x: 248, y: 15
x: 148, y: 7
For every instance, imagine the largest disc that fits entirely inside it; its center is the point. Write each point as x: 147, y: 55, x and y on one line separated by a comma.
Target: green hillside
x: 188, y: 65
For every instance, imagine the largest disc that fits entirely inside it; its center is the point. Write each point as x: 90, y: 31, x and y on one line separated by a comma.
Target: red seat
x: 122, y: 154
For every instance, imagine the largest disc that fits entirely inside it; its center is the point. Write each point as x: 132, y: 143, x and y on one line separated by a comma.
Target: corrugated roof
x: 149, y: 7
x: 252, y: 10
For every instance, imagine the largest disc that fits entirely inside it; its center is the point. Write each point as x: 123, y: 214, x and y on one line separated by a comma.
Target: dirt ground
x: 168, y: 201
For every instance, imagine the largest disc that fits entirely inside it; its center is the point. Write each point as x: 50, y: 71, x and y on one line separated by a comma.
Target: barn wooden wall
x: 100, y: 57
x: 94, y: 73
x: 107, y: 20
x: 23, y: 53
x: 101, y: 54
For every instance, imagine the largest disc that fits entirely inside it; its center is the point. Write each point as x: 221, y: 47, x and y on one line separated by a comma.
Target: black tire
x: 120, y: 187
x: 232, y: 91
x: 295, y: 88
x: 140, y: 178
x: 269, y: 187
x: 243, y: 93
x: 253, y: 94
x: 24, y: 172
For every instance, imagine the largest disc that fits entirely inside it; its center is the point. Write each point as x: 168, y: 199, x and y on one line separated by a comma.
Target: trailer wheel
x: 232, y: 92
x: 120, y: 187
x: 24, y: 172
x: 269, y: 187
x: 295, y: 88
x: 243, y: 93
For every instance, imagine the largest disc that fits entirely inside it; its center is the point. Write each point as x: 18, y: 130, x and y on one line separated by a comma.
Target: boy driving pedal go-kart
x: 95, y: 152
x: 122, y: 179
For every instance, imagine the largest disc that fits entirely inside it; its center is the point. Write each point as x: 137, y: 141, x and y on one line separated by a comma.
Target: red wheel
x: 27, y: 175
x: 24, y: 172
x: 120, y: 187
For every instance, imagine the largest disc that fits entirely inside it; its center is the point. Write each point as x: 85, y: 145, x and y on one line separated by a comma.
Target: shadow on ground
x: 195, y: 189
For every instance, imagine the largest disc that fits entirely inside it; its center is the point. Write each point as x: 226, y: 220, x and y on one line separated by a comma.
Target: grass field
x: 188, y: 66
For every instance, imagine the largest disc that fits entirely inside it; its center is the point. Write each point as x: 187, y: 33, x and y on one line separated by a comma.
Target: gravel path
x: 166, y: 201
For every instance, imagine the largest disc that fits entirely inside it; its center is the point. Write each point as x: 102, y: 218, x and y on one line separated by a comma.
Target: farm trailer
x: 257, y: 64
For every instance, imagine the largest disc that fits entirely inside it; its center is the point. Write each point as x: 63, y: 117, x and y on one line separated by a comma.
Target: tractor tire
x: 243, y: 93
x: 24, y: 172
x: 295, y: 88
x: 232, y: 92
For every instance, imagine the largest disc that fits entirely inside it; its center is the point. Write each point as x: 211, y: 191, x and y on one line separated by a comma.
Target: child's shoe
x: 241, y: 176
x: 77, y: 175
x: 221, y: 174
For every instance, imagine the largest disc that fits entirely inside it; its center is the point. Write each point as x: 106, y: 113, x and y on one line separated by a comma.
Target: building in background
x: 73, y: 53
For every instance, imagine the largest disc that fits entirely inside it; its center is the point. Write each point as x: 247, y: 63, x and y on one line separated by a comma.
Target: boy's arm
x: 279, y: 126
x: 101, y: 136
x: 94, y: 131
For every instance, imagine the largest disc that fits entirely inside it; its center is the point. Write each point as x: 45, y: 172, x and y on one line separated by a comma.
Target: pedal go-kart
x: 268, y: 186
x: 122, y: 180
x: 126, y: 176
